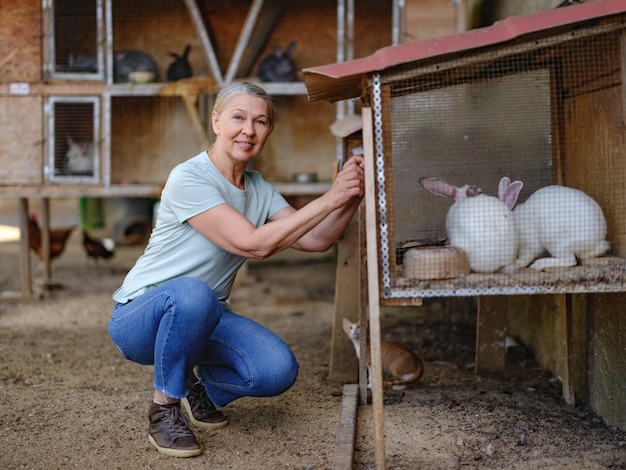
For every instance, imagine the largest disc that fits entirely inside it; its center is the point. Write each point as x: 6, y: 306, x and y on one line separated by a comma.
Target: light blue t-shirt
x: 176, y: 249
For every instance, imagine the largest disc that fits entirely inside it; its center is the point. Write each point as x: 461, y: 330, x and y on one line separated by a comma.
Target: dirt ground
x: 69, y: 400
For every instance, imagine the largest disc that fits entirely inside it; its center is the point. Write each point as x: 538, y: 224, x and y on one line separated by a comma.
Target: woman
x: 171, y: 310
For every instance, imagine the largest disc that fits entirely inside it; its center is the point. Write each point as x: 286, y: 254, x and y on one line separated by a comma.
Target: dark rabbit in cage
x: 128, y: 62
x: 180, y: 68
x: 279, y: 65
x: 563, y: 221
x: 82, y: 63
x: 479, y: 224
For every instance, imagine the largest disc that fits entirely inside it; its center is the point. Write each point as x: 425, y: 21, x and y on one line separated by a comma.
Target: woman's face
x: 242, y: 127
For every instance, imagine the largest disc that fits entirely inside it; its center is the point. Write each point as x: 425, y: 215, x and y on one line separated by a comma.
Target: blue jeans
x: 181, y: 324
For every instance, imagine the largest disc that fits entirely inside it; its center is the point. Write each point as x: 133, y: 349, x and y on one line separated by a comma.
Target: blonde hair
x: 244, y: 88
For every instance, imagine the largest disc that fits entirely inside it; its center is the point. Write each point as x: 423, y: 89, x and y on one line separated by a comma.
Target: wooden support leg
x: 26, y: 277
x: 346, y: 434
x: 363, y: 308
x: 567, y: 380
x: 45, y: 241
x: 491, y: 335
x: 190, y: 104
x: 343, y: 362
x: 373, y: 289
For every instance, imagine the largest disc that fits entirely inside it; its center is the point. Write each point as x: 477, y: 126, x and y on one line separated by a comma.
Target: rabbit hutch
x: 529, y: 110
x: 97, y: 102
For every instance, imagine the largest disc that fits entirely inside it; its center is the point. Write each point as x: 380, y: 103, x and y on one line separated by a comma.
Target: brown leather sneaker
x: 169, y: 431
x: 199, y: 408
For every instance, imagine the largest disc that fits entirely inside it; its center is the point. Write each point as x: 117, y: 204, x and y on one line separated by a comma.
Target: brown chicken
x: 58, y: 238
x: 98, y: 248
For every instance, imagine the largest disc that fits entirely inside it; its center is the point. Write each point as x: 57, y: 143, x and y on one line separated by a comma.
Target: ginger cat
x: 397, y: 360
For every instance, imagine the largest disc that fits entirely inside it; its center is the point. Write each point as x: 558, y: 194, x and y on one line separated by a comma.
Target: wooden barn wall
x: 20, y: 41
x: 299, y: 143
x: 157, y: 27
x: 21, y: 120
x: 425, y: 19
x: 149, y: 136
x: 529, y: 318
x: 486, y: 12
x: 21, y: 139
x: 606, y: 360
x: 595, y: 162
x: 598, y: 345
x: 595, y: 139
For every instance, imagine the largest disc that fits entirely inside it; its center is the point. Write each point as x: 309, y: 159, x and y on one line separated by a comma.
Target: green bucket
x: 91, y: 213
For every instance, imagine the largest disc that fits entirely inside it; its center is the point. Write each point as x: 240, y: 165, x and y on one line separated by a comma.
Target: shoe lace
x: 176, y: 421
x: 200, y: 399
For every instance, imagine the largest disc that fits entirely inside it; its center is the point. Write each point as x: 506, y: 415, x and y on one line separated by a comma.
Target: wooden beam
x: 491, y: 335
x: 373, y: 289
x: 363, y: 303
x: 623, y: 75
x: 26, y: 277
x: 567, y: 381
x: 190, y: 105
x: 196, y: 19
x: 344, y: 449
x: 244, y: 39
x: 343, y: 364
x: 44, y: 223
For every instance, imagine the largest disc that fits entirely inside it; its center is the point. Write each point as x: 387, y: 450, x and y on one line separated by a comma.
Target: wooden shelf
x: 302, y: 189
x: 199, y: 85
x: 192, y: 86
x: 68, y: 190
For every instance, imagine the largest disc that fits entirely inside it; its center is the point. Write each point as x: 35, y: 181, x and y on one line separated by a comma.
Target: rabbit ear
x: 504, y: 183
x: 438, y: 187
x: 510, y: 194
x: 292, y: 45
x: 186, y: 52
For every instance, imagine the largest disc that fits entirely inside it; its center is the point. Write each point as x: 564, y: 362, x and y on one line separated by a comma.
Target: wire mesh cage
x: 76, y: 40
x: 74, y: 136
x: 501, y: 171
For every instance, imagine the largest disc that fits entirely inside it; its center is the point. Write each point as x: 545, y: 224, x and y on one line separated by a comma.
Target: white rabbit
x: 79, y: 156
x: 565, y: 222
x: 481, y: 225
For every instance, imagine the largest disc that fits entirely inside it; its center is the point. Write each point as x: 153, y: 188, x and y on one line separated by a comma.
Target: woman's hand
x: 349, y: 182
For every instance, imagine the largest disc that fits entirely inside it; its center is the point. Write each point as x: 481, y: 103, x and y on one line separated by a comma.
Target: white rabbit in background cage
x: 479, y: 224
x: 563, y: 221
x: 79, y: 156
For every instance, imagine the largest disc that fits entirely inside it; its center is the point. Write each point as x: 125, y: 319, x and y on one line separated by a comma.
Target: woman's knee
x: 194, y: 300
x: 277, y: 374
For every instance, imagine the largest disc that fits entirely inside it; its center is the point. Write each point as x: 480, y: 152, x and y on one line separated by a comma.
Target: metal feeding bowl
x: 139, y: 77
x: 304, y: 177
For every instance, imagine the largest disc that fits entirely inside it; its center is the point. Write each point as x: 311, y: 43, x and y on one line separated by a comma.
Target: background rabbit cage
x: 543, y: 111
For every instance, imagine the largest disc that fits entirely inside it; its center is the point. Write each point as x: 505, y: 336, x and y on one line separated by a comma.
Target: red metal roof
x: 342, y: 80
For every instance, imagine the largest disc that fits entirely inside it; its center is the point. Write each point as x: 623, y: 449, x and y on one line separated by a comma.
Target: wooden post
x: 373, y: 289
x: 567, y: 381
x: 363, y: 303
x: 344, y: 449
x: 343, y: 361
x: 44, y: 223
x: 25, y: 271
x: 491, y: 335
